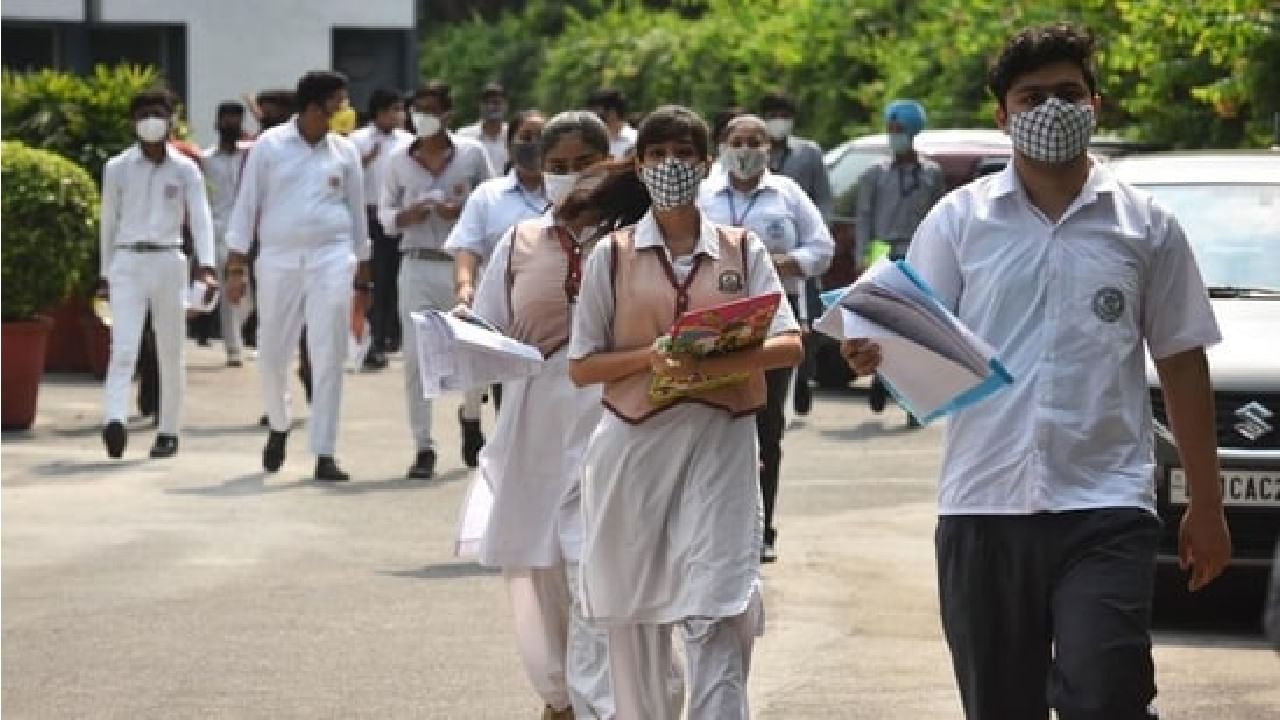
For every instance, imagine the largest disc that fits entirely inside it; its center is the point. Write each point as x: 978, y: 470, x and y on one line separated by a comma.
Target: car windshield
x: 1234, y: 231
x: 844, y: 174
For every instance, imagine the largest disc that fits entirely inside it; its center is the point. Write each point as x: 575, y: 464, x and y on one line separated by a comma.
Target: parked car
x: 964, y: 154
x: 1229, y: 205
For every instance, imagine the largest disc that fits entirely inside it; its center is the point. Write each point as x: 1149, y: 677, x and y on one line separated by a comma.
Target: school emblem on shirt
x: 730, y: 281
x: 1108, y: 304
x: 335, y: 182
x: 170, y: 192
x: 775, y: 232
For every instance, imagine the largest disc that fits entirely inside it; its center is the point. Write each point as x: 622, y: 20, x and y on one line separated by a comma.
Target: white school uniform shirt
x: 493, y: 209
x: 222, y: 171
x: 1069, y: 307
x: 780, y: 213
x: 146, y: 203
x: 407, y: 182
x: 388, y: 143
x: 495, y: 146
x: 621, y: 143
x: 299, y: 198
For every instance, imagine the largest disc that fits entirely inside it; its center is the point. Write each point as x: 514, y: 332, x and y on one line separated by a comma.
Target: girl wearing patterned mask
x: 779, y: 212
x: 531, y: 463
x: 670, y: 496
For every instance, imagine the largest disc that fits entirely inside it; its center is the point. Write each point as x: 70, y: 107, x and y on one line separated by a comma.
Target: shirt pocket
x: 777, y: 230
x: 1104, y: 304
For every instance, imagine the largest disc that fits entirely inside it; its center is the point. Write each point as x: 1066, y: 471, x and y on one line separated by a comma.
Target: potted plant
x: 49, y: 207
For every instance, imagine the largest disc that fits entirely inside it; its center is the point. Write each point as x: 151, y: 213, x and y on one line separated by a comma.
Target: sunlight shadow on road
x: 444, y: 571
x: 870, y: 429
x: 359, y: 487
x: 249, y: 484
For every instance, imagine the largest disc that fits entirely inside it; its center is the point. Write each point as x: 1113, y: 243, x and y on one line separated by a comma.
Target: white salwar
x: 673, y: 521
x: 530, y: 466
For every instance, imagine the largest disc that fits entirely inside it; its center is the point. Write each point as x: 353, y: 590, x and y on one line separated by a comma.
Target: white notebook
x: 460, y: 354
x: 930, y: 361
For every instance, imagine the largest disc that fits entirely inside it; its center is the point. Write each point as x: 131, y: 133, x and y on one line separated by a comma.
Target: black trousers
x: 1050, y: 610
x: 384, y: 314
x: 803, y: 397
x: 770, y: 423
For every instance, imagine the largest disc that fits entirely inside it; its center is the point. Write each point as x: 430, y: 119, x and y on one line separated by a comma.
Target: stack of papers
x: 931, y: 362
x: 460, y: 354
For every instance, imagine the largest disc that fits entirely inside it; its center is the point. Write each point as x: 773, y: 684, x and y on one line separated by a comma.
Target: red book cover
x: 711, y: 331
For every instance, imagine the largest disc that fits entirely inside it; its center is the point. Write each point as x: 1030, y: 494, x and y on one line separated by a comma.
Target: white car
x: 1229, y: 205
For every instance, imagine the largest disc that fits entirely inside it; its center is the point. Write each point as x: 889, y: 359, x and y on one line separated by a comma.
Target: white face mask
x: 744, y: 162
x: 1053, y: 131
x: 427, y: 125
x: 779, y: 128
x: 556, y: 187
x: 152, y: 130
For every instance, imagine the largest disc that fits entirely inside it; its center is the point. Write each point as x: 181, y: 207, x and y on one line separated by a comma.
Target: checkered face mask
x: 1054, y: 131
x: 671, y: 183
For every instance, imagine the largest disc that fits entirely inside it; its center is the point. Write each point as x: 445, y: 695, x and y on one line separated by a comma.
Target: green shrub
x: 85, y: 119
x: 49, y: 207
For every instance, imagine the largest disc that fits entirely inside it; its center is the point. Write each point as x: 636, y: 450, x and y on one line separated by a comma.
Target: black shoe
x: 115, y: 437
x: 202, y: 342
x: 912, y: 422
x: 423, y: 467
x: 165, y: 446
x: 235, y: 362
x: 273, y: 453
x: 768, y: 554
x: 803, y: 397
x: 878, y: 396
x: 264, y: 421
x: 374, y: 361
x: 327, y: 470
x: 472, y: 440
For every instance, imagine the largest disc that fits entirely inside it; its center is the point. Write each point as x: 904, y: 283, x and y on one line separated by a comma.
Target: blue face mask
x: 899, y: 143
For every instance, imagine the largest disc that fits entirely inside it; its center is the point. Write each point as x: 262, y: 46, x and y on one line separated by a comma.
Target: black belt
x: 149, y: 247
x: 426, y: 254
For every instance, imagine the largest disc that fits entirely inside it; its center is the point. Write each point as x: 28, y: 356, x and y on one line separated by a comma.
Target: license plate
x: 1239, y: 487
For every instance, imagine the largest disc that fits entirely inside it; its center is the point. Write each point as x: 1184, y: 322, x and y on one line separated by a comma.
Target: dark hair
x: 673, y: 122
x: 437, y: 89
x: 609, y: 99
x: 618, y: 201
x: 147, y: 98
x: 229, y: 107
x: 283, y: 98
x: 519, y: 120
x: 1036, y: 47
x: 591, y: 128
x: 720, y: 121
x: 382, y: 99
x: 317, y: 86
x: 493, y: 89
x: 777, y: 101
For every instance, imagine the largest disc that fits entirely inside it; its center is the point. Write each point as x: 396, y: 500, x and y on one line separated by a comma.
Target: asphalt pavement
x: 199, y: 587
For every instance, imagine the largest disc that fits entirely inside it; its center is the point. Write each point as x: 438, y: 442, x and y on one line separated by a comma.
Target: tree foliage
x: 1191, y: 73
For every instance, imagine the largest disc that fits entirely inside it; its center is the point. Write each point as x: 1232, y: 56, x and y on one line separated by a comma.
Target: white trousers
x: 316, y: 289
x: 565, y: 658
x: 647, y: 682
x: 142, y: 281
x: 227, y: 314
x: 425, y: 284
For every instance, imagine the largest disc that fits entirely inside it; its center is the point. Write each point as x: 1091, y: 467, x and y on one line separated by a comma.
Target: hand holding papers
x: 931, y: 362
x: 460, y: 353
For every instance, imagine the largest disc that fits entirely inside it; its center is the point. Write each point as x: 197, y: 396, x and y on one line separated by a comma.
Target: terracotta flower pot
x: 97, y: 344
x: 66, y: 350
x: 21, y: 365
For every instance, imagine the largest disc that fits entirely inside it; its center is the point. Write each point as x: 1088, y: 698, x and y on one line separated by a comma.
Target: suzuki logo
x: 1253, y: 420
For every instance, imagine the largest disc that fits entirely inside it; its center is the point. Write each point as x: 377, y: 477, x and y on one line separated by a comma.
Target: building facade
x: 215, y: 50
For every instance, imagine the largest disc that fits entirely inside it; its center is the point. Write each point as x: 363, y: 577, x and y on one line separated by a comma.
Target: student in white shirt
x: 670, y: 495
x: 498, y: 204
x: 1047, y: 537
x: 222, y: 165
x: 147, y: 192
x: 424, y: 189
x: 611, y: 106
x: 531, y: 463
x: 779, y: 212
x: 491, y: 129
x: 377, y: 141
x: 302, y: 193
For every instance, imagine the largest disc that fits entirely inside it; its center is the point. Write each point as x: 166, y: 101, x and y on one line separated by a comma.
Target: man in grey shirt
x: 801, y: 160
